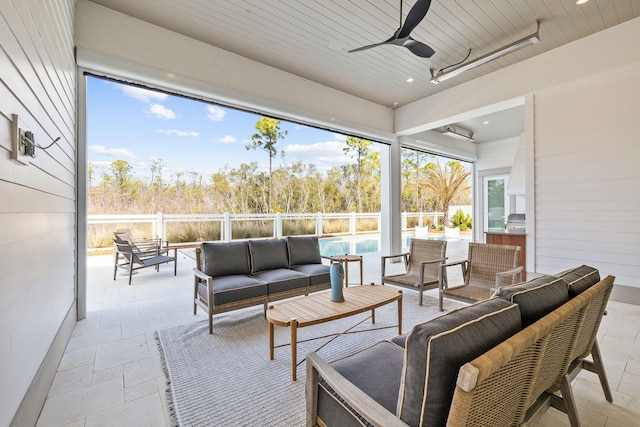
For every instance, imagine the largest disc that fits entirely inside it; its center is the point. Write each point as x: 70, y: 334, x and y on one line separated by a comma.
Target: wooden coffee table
x: 318, y: 308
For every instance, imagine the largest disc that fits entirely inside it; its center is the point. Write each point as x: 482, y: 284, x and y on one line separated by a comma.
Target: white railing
x: 160, y: 221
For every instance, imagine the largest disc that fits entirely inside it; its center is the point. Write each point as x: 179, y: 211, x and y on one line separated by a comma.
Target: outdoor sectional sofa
x: 498, y: 362
x: 234, y: 275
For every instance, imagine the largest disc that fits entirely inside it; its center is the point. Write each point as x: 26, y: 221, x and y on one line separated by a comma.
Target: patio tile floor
x: 111, y: 372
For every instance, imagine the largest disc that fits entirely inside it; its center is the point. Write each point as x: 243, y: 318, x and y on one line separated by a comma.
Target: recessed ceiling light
x: 486, y: 122
x: 581, y: 1
x: 410, y: 79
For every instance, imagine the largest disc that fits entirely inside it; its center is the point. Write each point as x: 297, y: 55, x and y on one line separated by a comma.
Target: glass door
x: 496, y: 202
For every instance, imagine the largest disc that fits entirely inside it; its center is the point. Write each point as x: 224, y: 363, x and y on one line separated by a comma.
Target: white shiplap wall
x: 37, y: 201
x: 587, y: 176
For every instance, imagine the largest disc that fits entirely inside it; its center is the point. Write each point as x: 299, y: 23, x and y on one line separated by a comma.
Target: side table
x: 346, y: 259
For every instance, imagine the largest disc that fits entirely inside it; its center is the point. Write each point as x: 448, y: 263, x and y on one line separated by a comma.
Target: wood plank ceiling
x: 311, y: 38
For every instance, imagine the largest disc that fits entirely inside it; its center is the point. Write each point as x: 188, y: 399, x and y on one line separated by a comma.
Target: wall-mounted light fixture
x: 440, y: 76
x: 458, y: 133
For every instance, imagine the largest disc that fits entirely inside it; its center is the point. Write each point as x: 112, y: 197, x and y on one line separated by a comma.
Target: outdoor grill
x: 515, y: 222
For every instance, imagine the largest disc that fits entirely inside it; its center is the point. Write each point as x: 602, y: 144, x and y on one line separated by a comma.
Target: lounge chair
x: 142, y: 259
x: 421, y: 266
x: 487, y: 268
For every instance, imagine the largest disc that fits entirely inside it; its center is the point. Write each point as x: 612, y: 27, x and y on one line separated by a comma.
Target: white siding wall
x: 37, y: 201
x: 587, y: 176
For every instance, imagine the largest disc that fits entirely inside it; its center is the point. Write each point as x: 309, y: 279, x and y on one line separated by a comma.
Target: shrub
x: 462, y: 220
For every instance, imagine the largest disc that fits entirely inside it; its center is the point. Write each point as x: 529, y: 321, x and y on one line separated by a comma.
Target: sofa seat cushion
x: 536, y: 297
x: 268, y: 255
x: 318, y: 273
x: 303, y: 250
x: 580, y: 279
x: 435, y: 351
x: 283, y: 279
x: 227, y: 289
x: 377, y: 371
x: 225, y: 259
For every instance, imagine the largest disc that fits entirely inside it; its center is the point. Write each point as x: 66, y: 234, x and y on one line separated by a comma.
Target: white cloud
x: 115, y: 152
x: 215, y: 113
x: 144, y: 95
x: 329, y: 152
x: 178, y: 132
x: 227, y: 139
x: 160, y: 111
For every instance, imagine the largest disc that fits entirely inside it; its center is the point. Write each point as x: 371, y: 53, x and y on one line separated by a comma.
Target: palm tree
x: 445, y: 183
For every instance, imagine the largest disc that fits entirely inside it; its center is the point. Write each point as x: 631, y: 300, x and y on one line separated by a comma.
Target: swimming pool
x: 330, y: 246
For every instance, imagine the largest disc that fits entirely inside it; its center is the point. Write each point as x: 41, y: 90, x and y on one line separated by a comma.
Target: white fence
x: 160, y: 221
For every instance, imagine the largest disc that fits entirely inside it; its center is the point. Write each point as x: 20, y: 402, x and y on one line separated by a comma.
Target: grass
x: 101, y: 235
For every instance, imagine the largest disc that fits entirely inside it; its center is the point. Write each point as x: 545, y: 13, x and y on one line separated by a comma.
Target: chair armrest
x: 443, y: 282
x: 450, y: 264
x: 383, y: 262
x: 200, y: 275
x: 517, y: 272
x: 433, y: 261
x: 405, y: 254
x: 361, y: 402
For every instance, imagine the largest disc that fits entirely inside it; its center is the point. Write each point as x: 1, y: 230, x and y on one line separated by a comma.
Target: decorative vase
x: 336, y: 273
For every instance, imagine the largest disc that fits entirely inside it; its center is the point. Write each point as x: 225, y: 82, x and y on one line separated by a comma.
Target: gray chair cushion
x: 228, y: 289
x: 268, y: 255
x: 303, y: 250
x: 318, y: 273
x: 580, y: 279
x: 283, y: 279
x: 225, y: 259
x: 436, y: 350
x: 537, y: 297
x: 376, y: 371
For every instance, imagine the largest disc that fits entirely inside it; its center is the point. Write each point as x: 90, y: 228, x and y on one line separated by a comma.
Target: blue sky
x: 137, y: 125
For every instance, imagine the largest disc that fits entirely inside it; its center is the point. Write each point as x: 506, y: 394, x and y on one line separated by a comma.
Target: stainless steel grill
x: 515, y: 221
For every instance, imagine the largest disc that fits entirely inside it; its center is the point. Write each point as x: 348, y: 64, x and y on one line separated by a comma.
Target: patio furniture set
x: 499, y: 361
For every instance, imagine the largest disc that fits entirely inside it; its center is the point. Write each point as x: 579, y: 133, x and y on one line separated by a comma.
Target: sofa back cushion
x: 268, y: 254
x: 536, y: 297
x: 436, y: 350
x: 580, y: 279
x: 303, y: 250
x: 225, y: 259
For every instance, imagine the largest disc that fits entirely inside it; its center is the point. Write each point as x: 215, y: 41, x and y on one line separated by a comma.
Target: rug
x: 227, y: 379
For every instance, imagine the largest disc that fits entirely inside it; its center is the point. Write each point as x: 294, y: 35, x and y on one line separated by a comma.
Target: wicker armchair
x: 421, y: 265
x: 487, y: 268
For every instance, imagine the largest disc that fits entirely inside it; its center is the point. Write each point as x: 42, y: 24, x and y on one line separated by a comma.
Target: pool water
x: 331, y: 246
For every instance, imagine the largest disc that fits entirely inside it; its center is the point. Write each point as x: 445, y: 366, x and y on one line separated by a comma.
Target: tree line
x: 428, y: 185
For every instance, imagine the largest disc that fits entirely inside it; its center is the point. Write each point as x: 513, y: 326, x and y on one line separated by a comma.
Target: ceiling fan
x: 402, y: 35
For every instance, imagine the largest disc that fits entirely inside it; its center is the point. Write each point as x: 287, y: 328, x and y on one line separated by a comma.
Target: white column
x: 390, y: 187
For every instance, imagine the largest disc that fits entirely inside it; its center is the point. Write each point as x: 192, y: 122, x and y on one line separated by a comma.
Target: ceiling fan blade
x: 414, y: 17
x: 418, y: 48
x: 367, y: 47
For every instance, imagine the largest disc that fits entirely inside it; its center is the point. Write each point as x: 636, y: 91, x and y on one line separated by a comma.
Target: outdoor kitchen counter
x: 514, y: 238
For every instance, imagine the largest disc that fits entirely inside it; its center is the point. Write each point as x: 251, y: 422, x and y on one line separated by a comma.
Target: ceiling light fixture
x: 410, y: 79
x: 524, y: 42
x: 581, y: 1
x: 458, y: 133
